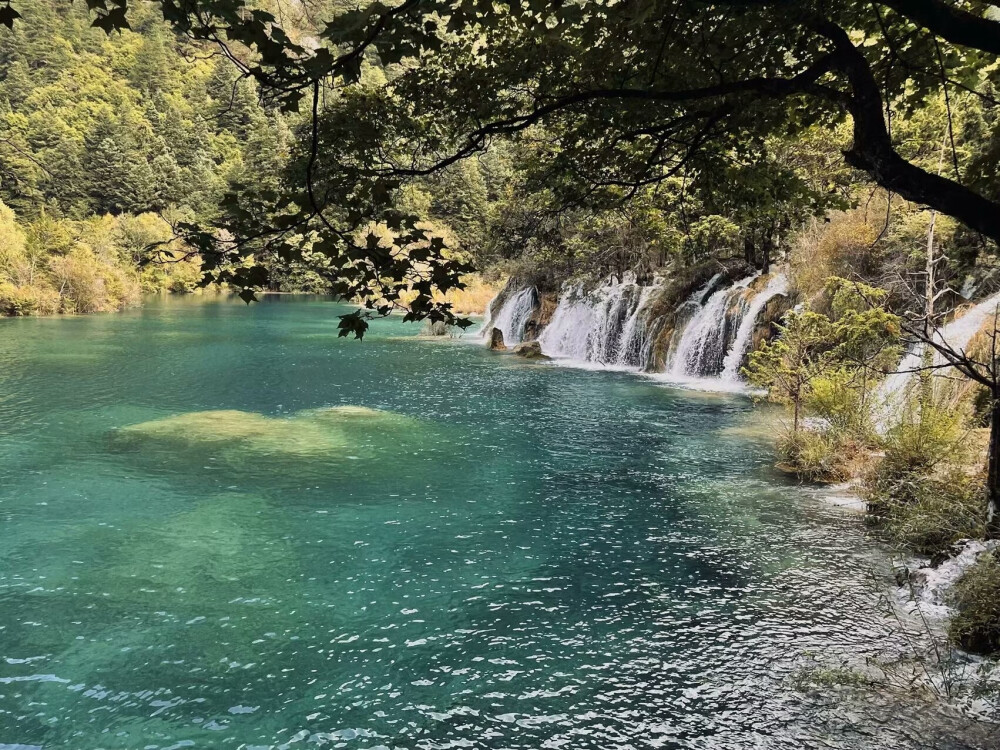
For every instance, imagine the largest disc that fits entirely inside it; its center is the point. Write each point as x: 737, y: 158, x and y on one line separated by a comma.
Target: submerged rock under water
x: 236, y: 436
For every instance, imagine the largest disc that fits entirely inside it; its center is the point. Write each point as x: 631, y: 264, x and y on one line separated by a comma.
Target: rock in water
x: 496, y: 340
x: 529, y: 350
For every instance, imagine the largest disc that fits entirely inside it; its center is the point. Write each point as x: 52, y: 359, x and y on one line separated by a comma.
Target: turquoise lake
x: 223, y: 527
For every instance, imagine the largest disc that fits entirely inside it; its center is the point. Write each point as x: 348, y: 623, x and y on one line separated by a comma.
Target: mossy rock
x: 542, y: 315
x: 529, y: 350
x: 496, y: 340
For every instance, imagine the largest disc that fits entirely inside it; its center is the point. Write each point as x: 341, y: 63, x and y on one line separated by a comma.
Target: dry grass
x: 474, y: 298
x: 469, y: 301
x: 837, y: 247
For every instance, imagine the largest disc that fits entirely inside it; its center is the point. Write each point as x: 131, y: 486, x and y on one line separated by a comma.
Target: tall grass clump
x: 924, y: 494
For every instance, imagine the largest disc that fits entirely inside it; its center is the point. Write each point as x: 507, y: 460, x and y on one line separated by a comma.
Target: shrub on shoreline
x: 927, y: 514
x: 17, y: 301
x: 57, y: 265
x: 976, y: 597
x: 925, y: 494
x: 821, y: 455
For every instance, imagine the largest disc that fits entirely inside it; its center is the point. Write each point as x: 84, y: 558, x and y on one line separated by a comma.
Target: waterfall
x: 513, y: 314
x: 609, y: 325
x: 959, y: 332
x: 890, y: 398
x: 636, y: 341
x: 615, y: 325
x: 705, y: 340
x: 892, y: 393
x: 700, y: 296
x: 744, y: 334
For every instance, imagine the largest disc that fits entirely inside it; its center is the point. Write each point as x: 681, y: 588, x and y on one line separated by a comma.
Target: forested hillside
x: 107, y: 140
x: 149, y: 122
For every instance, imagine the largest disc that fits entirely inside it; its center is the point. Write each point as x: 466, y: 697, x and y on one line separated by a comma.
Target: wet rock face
x: 529, y: 350
x: 767, y: 323
x: 496, y: 340
x: 541, y: 316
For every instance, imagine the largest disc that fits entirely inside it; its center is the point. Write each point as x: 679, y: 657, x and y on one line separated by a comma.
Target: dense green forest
x: 109, y: 141
x: 116, y: 142
x: 384, y: 153
x: 106, y: 140
x: 112, y: 142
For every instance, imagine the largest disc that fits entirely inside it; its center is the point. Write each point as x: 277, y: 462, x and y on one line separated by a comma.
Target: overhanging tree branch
x: 777, y: 88
x: 950, y: 23
x: 874, y: 153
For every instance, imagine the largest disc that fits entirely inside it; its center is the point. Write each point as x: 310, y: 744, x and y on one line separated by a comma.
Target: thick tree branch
x: 776, y: 88
x: 950, y: 23
x: 873, y: 151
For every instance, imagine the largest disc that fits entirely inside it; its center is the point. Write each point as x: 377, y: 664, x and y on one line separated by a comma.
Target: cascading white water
x: 891, y: 395
x: 893, y: 392
x: 614, y: 325
x: 567, y: 333
x: 608, y: 325
x: 704, y: 341
x: 700, y: 296
x: 513, y: 315
x: 635, y: 342
x: 959, y: 332
x: 744, y: 334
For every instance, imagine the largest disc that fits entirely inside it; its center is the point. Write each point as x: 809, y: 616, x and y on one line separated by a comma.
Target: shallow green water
x: 514, y: 556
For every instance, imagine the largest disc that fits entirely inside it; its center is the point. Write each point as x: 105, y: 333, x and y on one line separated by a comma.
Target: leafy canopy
x: 621, y: 95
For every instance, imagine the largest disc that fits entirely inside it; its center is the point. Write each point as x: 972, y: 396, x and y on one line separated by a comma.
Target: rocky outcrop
x: 496, y: 341
x: 767, y: 323
x: 529, y: 350
x: 542, y: 316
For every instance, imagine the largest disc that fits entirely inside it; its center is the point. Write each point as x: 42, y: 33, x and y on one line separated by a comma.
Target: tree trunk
x: 927, y: 360
x: 993, y: 467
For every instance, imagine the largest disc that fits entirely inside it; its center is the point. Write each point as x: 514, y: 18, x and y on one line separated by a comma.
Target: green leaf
x: 353, y: 323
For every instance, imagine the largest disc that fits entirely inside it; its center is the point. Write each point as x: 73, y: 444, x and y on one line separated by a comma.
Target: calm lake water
x: 505, y: 555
